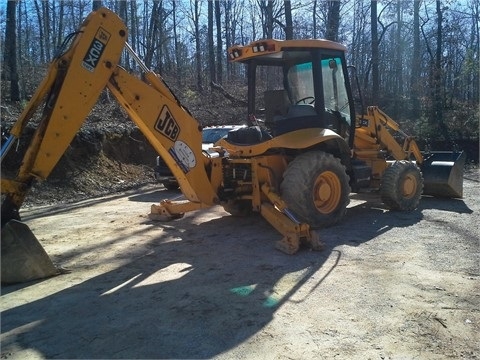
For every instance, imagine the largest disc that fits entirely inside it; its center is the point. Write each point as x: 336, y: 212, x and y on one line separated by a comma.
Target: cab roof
x: 271, y: 50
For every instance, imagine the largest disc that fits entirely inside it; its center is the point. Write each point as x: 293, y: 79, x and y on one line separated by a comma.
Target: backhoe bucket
x: 443, y: 174
x: 23, y: 258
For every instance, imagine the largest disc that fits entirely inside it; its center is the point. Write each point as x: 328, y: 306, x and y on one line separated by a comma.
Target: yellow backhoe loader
x: 296, y: 163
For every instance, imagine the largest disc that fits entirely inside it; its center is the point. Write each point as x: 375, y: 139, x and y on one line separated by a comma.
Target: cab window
x: 300, y: 83
x: 334, y: 89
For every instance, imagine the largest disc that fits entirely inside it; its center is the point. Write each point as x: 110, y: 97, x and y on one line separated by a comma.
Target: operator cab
x: 296, y: 84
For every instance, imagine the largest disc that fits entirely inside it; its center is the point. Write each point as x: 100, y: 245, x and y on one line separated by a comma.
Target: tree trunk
x: 211, y: 50
x: 438, y: 94
x: 474, y: 94
x: 398, y: 84
x: 228, y: 35
x: 178, y: 68
x: 96, y: 4
x: 133, y: 30
x: 333, y: 20
x: 122, y: 13
x: 47, y: 30
x: 266, y: 8
x: 198, y: 50
x: 60, y: 25
x: 159, y: 38
x: 288, y: 20
x: 151, y: 35
x: 40, y: 31
x: 375, y: 74
x: 218, y: 24
x: 415, y: 84
x: 10, y: 55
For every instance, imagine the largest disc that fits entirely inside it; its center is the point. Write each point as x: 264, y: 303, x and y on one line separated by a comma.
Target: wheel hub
x: 327, y: 192
x: 409, y: 186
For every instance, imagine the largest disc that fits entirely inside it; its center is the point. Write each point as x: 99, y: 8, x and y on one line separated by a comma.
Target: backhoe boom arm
x: 71, y: 88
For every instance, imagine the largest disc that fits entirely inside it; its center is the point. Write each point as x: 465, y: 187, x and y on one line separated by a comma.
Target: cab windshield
x: 300, y: 83
x: 301, y: 88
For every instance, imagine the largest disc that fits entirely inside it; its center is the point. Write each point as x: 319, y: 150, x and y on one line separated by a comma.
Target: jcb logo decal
x: 95, y: 51
x: 167, y: 125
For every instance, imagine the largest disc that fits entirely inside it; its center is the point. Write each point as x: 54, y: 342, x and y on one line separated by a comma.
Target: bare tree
x: 473, y: 56
x: 176, y: 41
x: 333, y: 20
x: 133, y: 30
x: 152, y: 33
x: 288, y: 20
x: 47, y: 29
x: 10, y: 55
x: 374, y: 61
x: 434, y: 46
x: 61, y: 7
x: 266, y: 10
x: 195, y: 12
x: 219, y: 52
x: 96, y: 4
x: 40, y: 31
x: 399, y: 55
x: 437, y: 75
x: 211, y: 50
x: 314, y: 19
x: 415, y: 81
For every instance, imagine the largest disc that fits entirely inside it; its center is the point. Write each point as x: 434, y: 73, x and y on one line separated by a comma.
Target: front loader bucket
x: 443, y: 174
x: 23, y: 258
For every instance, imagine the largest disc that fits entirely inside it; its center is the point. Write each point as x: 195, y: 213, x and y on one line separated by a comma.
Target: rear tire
x: 402, y: 186
x: 316, y: 188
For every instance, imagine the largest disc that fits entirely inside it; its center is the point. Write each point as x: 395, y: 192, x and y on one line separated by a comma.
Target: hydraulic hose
x: 6, y: 147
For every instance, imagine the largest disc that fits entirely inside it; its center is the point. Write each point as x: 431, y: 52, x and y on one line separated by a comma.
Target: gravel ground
x: 389, y: 285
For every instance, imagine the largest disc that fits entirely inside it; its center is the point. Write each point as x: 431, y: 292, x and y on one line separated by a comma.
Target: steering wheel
x: 311, y: 100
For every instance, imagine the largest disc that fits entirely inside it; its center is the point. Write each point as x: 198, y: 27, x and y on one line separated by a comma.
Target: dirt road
x: 389, y: 285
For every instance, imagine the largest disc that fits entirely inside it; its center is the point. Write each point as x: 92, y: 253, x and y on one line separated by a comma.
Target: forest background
x: 418, y: 60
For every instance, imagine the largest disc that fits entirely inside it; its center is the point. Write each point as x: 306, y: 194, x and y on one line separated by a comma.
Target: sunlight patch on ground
x: 169, y: 273
x: 108, y: 292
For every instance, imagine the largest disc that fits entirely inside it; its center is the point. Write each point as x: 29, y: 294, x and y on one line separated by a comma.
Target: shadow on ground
x: 197, y: 296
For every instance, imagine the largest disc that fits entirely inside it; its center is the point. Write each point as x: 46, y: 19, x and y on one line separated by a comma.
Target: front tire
x: 316, y: 188
x: 402, y: 186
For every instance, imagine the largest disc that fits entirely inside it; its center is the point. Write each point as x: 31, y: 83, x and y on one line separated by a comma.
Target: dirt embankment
x: 108, y: 154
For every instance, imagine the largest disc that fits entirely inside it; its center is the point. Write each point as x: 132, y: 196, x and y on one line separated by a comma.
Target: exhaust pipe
x: 443, y: 173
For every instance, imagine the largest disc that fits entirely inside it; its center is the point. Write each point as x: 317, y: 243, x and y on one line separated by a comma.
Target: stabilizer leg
x: 170, y: 210
x: 282, y: 219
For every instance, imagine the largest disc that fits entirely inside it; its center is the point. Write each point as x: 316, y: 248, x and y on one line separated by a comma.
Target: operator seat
x: 248, y: 135
x: 298, y: 117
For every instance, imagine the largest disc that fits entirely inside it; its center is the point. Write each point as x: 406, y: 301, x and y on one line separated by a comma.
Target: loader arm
x: 375, y: 128
x: 71, y: 88
x: 374, y: 142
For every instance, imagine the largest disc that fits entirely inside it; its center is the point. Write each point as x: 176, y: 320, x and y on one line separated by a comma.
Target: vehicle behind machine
x: 210, y: 135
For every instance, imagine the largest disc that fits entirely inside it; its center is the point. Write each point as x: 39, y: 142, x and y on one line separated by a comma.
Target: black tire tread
x: 390, y: 188
x: 297, y: 187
